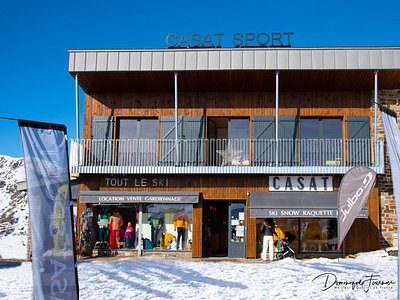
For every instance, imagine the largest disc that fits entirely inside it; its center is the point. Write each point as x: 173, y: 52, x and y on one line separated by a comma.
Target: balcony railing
x: 223, y: 156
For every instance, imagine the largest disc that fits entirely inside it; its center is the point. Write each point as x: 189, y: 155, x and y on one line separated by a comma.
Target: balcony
x: 223, y: 156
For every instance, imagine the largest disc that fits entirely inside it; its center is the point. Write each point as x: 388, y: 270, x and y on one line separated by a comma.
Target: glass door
x: 237, y: 230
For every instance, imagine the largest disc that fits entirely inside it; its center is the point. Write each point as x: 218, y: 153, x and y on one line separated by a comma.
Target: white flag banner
x: 355, y: 188
x: 392, y: 136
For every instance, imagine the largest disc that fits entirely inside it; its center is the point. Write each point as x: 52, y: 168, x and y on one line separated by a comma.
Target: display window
x: 164, y: 227
x: 303, y: 235
x: 167, y: 226
x: 116, y: 226
x: 318, y: 235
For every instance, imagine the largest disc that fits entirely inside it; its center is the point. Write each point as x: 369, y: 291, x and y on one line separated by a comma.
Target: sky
x: 36, y: 35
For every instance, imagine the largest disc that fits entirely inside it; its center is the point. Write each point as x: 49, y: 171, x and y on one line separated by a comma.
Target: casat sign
x: 216, y: 40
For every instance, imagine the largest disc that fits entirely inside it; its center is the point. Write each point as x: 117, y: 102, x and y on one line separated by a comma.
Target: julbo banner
x: 355, y: 188
x: 52, y: 235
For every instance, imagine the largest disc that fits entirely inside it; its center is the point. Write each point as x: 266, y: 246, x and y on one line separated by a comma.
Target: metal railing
x: 224, y: 152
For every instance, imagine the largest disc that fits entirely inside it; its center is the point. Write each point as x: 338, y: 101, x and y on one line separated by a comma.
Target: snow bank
x: 158, y: 278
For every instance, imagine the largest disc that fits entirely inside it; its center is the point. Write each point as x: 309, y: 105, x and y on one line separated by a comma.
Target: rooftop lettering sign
x: 217, y: 40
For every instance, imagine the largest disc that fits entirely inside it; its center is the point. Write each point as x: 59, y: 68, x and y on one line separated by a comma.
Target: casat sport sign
x: 216, y: 40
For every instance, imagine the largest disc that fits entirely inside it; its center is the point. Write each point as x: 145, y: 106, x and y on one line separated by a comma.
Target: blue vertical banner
x: 50, y: 210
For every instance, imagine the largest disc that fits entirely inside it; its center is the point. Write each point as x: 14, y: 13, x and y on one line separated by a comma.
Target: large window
x: 318, y: 235
x: 137, y: 144
x: 167, y: 226
x: 321, y: 141
x: 304, y: 235
x: 164, y: 226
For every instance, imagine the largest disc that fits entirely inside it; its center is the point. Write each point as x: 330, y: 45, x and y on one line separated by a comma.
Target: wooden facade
x: 364, y: 234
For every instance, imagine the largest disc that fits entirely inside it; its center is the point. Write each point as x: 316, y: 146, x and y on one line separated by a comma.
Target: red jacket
x: 115, y: 222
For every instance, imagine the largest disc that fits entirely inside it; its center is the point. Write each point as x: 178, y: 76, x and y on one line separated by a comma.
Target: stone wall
x: 387, y: 206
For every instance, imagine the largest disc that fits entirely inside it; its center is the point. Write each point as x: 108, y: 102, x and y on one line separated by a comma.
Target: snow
x: 13, y: 209
x: 152, y: 277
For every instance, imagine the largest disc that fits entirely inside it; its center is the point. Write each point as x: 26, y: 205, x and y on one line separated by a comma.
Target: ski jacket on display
x: 115, y: 222
x: 181, y: 221
x: 128, y: 231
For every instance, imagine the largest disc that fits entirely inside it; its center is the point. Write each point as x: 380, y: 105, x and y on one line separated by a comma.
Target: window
x: 229, y: 141
x: 138, y: 129
x: 318, y: 235
x: 304, y: 235
x: 321, y: 141
x: 167, y: 226
x: 137, y: 144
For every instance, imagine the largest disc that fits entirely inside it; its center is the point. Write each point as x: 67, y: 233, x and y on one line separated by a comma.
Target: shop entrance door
x: 215, y: 228
x: 224, y: 229
x: 237, y: 232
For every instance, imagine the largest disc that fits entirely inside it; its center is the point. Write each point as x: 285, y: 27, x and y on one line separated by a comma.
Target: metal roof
x: 214, y: 59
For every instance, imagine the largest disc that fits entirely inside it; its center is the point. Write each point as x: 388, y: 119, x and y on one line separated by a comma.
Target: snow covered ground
x: 161, y: 278
x: 13, y: 209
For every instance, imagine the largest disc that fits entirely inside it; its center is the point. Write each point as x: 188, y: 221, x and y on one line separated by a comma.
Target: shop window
x: 167, y: 226
x: 321, y: 142
x: 304, y: 235
x: 318, y: 235
x: 114, y: 233
x: 137, y: 144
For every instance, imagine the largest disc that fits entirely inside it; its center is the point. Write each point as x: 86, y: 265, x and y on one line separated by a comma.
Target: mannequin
x: 102, y: 221
x: 115, y: 224
x: 156, y: 221
x: 181, y: 224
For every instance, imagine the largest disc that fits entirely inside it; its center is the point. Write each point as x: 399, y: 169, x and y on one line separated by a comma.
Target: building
x: 229, y: 136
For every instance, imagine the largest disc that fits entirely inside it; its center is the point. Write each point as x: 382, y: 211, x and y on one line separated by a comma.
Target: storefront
x: 307, y: 219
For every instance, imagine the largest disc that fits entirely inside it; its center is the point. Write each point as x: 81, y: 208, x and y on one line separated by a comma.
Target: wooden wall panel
x: 251, y: 233
x: 197, y: 234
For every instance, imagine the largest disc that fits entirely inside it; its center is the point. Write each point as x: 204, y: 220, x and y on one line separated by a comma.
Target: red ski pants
x: 114, y: 239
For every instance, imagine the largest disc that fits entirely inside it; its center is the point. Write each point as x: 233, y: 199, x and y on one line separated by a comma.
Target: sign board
x: 301, y: 213
x: 300, y: 183
x: 238, y: 39
x: 109, y: 197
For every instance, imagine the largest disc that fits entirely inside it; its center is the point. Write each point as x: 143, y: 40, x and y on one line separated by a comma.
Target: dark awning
x: 296, y: 205
x: 115, y: 197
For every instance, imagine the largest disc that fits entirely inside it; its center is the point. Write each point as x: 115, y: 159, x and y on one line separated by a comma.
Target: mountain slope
x: 13, y: 209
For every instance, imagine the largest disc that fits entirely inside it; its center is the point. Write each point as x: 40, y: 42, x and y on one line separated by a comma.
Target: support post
x: 139, y: 237
x: 176, y: 120
x: 77, y: 106
x: 276, y: 117
x: 375, y: 119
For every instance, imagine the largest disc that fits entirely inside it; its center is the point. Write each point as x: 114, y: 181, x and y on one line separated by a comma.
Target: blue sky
x: 36, y: 35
